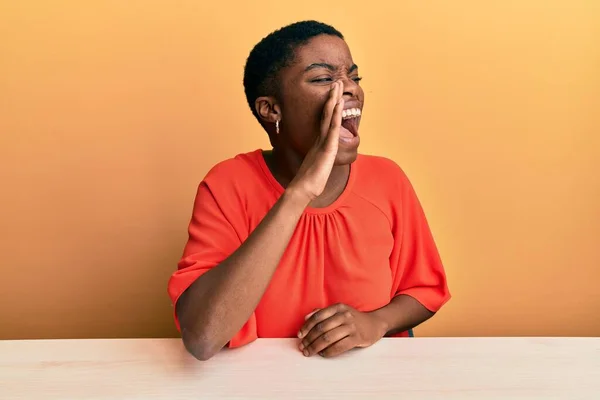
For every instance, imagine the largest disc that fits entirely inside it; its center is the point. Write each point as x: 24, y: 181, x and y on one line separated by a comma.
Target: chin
x: 346, y: 157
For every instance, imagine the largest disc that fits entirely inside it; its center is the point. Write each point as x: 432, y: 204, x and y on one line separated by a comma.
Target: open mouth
x: 350, y: 120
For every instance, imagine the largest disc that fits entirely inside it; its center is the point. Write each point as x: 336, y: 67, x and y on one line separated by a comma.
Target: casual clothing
x: 371, y: 244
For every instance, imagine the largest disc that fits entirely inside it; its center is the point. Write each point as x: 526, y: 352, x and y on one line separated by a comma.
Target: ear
x: 268, y: 109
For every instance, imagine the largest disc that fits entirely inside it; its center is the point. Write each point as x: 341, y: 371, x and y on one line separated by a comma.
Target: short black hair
x: 275, y: 52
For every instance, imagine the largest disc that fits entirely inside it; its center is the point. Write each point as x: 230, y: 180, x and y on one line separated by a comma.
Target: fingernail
x: 305, y: 352
x: 300, y: 334
x: 301, y: 346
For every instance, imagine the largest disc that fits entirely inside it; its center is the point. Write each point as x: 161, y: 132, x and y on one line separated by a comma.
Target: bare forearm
x: 401, y: 314
x: 217, y: 305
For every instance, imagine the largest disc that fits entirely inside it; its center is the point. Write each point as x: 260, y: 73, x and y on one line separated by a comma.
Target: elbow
x: 198, y: 346
x: 200, y: 351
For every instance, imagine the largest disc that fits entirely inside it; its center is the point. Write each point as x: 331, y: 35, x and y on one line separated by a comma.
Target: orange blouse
x: 371, y: 244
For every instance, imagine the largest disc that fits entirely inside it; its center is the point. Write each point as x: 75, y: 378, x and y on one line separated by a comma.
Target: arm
x: 419, y: 288
x: 419, y: 279
x: 339, y: 328
x: 220, y: 301
x: 215, y: 306
x: 401, y: 314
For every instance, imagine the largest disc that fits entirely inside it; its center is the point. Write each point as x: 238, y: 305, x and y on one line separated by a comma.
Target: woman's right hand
x: 311, y: 178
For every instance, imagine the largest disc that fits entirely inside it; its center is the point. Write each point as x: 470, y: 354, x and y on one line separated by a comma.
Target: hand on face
x: 336, y: 329
x: 314, y: 172
x: 304, y: 90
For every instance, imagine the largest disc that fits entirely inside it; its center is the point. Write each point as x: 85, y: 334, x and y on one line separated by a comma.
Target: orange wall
x: 111, y: 112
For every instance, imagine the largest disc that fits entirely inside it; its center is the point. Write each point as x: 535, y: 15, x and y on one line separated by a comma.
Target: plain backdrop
x: 111, y: 112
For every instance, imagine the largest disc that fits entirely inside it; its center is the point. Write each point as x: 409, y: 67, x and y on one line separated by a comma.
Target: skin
x: 338, y: 328
x: 300, y: 109
x: 311, y: 159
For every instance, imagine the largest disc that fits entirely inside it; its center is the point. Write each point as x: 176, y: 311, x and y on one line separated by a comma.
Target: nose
x: 350, y: 87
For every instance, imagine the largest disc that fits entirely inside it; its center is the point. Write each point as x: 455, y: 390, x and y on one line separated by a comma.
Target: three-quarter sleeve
x: 212, y: 238
x: 417, y: 268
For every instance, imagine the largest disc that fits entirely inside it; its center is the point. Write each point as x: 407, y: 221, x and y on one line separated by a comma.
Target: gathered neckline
x: 309, y: 210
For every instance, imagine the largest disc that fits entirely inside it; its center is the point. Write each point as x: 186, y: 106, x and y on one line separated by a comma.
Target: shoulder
x: 241, y: 173
x: 234, y: 169
x: 236, y: 182
x: 384, y: 184
x: 381, y: 182
x: 382, y: 172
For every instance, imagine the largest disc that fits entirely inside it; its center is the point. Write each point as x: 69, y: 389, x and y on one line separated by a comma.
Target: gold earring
x: 277, y: 126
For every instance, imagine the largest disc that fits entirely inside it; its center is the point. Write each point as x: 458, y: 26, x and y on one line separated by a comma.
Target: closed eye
x: 320, y: 80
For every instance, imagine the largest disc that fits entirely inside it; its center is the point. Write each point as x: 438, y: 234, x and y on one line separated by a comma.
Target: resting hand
x: 337, y: 329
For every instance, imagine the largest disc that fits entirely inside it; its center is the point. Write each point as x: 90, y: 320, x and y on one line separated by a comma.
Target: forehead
x: 323, y: 49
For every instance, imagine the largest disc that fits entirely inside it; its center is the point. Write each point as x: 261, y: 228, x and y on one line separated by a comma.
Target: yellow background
x: 111, y: 112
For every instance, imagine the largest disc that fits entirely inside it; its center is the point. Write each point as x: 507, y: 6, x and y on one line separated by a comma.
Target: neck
x: 285, y: 163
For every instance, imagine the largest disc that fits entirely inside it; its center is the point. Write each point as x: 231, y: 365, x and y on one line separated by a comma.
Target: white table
x: 398, y: 368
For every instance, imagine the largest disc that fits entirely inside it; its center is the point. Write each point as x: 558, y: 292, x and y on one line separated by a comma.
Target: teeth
x: 351, y: 113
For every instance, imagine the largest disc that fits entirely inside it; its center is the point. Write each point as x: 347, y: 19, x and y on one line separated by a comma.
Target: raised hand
x: 314, y: 172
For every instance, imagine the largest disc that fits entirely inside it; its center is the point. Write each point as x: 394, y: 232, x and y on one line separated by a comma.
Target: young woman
x: 308, y: 239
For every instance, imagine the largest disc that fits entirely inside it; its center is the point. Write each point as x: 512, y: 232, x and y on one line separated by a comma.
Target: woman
x: 309, y: 239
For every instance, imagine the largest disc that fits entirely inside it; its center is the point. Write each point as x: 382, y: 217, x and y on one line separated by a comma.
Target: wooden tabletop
x: 395, y: 368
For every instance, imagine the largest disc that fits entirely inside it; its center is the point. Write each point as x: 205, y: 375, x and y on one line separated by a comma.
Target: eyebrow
x: 330, y: 67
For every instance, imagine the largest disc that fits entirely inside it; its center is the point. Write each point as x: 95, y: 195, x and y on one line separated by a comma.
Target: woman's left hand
x: 337, y: 329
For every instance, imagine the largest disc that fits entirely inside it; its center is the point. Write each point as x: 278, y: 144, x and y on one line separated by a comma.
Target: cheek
x: 307, y: 111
